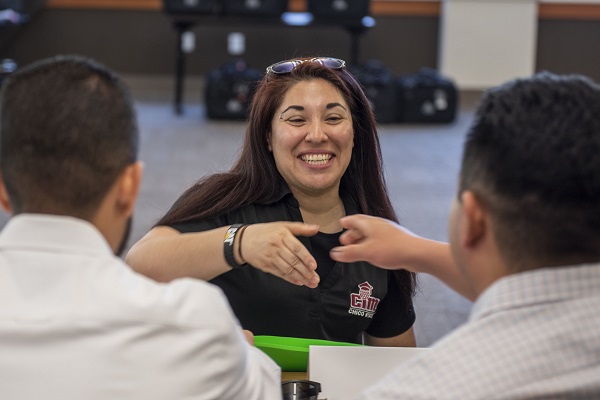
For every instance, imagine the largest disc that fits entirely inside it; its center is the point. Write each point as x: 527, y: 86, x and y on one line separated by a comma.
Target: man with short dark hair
x: 525, y: 239
x: 75, y: 321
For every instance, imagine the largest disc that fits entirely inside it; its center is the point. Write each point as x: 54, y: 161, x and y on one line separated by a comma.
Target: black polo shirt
x: 351, y: 299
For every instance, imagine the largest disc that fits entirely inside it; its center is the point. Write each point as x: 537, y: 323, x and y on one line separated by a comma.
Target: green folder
x: 290, y: 353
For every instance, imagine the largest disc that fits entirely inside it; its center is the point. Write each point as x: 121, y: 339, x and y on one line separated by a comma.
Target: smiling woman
x: 311, y: 156
x: 312, y: 143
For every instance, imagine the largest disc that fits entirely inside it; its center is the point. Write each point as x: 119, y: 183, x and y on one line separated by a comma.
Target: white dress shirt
x: 532, y: 335
x: 77, y: 323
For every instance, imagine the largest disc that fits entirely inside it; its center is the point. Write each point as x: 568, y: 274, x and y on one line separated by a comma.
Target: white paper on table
x: 344, y: 371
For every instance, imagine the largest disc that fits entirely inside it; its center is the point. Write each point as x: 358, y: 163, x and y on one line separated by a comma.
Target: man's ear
x: 475, y: 222
x: 129, y: 187
x: 4, y: 198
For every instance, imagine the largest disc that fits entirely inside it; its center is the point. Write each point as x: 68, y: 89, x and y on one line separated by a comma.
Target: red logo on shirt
x: 362, y: 303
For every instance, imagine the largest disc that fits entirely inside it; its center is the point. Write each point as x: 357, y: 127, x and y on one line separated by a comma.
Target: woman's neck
x: 323, y: 210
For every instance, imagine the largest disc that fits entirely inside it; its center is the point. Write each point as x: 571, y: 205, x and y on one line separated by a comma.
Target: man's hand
x: 377, y: 241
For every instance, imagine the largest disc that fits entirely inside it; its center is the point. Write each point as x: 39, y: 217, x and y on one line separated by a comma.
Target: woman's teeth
x: 316, y: 159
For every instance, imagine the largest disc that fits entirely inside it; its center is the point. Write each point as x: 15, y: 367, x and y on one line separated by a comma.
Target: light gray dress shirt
x: 77, y: 323
x: 533, y: 335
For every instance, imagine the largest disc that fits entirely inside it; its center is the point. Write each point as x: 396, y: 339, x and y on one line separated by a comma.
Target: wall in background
x: 143, y: 42
x: 567, y: 46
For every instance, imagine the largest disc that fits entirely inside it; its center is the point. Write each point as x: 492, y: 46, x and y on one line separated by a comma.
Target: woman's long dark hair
x: 255, y: 179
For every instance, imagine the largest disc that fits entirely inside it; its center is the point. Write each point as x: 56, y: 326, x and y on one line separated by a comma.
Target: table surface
x: 288, y: 376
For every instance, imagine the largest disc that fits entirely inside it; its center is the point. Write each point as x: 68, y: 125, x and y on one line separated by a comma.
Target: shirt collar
x: 55, y: 233
x: 285, y: 193
x: 544, y: 285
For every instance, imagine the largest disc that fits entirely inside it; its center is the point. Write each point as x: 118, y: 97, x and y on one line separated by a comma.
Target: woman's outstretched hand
x: 274, y: 248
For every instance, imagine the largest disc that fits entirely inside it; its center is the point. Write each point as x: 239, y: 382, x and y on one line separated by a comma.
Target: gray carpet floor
x: 421, y: 162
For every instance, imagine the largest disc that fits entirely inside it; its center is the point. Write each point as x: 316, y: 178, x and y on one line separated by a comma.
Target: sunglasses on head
x: 300, y: 390
x: 285, y: 67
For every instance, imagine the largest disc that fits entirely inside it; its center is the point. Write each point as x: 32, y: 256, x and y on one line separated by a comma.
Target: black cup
x: 300, y: 390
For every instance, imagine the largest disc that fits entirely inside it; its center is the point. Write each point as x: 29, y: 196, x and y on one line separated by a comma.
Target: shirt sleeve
x: 219, y: 362
x: 394, y: 316
x: 200, y: 225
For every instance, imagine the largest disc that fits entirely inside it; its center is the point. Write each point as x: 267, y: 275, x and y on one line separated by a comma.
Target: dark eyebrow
x: 298, y: 108
x: 332, y: 105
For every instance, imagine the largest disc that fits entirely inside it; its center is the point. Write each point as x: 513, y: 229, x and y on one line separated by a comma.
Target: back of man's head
x: 533, y: 158
x: 67, y: 130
